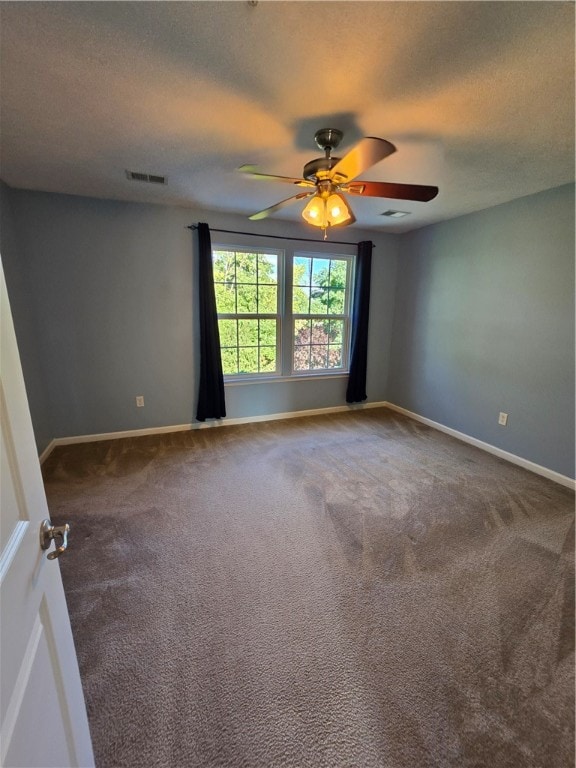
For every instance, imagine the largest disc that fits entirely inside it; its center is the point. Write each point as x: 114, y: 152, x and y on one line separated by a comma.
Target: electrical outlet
x: 140, y: 401
x: 503, y: 419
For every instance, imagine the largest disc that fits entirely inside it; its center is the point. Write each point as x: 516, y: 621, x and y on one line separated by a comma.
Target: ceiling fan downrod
x: 319, y: 169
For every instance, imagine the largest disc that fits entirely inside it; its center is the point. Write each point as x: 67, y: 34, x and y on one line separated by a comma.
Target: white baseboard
x: 201, y: 425
x: 47, y: 451
x: 216, y: 424
x: 511, y: 457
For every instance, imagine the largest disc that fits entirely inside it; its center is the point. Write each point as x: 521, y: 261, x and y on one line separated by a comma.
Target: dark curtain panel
x: 356, y: 391
x: 211, y: 404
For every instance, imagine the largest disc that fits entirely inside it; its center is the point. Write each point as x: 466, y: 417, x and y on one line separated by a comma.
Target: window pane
x: 327, y: 293
x: 319, y: 303
x: 248, y: 333
x: 301, y: 270
x: 229, y: 361
x: 245, y: 267
x: 301, y: 276
x: 320, y: 270
x: 311, y: 344
x: 300, y: 300
x: 336, y: 331
x: 223, y: 266
x: 334, y: 356
x: 318, y: 356
x: 320, y: 331
x: 335, y: 301
x: 302, y: 332
x: 227, y: 330
x: 267, y: 268
x: 338, y: 269
x: 248, y: 359
x: 246, y: 299
x: 267, y: 359
x: 267, y: 299
x: 302, y: 358
x: 268, y: 333
x: 225, y: 298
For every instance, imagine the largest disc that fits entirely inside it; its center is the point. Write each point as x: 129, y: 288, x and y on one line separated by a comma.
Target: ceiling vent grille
x: 149, y: 178
x: 395, y: 214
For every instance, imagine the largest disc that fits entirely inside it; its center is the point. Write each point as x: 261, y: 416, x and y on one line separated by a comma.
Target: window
x: 320, y: 313
x: 247, y: 299
x: 282, y: 314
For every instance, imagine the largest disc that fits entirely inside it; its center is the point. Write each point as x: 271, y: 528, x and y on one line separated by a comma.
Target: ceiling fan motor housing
x: 319, y: 168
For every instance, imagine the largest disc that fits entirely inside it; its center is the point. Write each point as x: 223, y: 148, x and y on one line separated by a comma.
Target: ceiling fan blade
x: 267, y: 211
x: 369, y: 151
x: 394, y: 191
x: 250, y: 170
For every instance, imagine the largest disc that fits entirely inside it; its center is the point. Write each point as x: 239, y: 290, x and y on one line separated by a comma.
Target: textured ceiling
x: 478, y: 97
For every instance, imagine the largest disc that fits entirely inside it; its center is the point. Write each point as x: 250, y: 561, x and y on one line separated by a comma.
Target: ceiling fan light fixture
x: 331, y: 211
x: 332, y: 176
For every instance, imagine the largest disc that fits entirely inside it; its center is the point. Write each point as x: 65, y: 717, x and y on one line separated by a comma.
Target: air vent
x: 395, y: 214
x: 149, y: 178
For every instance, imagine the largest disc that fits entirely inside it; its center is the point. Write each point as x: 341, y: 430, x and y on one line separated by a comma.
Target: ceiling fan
x: 326, y: 178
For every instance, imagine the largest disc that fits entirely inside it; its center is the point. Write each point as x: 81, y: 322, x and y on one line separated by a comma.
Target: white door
x: 43, y: 721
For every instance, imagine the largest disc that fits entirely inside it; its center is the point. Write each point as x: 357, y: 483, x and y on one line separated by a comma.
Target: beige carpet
x: 344, y: 591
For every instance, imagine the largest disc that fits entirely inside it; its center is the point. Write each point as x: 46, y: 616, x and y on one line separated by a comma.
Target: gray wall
x: 104, y: 307
x: 106, y: 312
x: 26, y: 321
x: 484, y: 322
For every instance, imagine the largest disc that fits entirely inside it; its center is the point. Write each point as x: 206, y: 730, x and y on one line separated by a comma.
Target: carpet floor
x: 344, y: 591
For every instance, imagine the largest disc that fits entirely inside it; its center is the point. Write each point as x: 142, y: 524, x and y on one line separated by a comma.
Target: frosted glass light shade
x: 315, y: 211
x: 324, y: 212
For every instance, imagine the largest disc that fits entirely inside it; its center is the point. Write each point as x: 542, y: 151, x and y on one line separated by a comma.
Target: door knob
x: 49, y: 532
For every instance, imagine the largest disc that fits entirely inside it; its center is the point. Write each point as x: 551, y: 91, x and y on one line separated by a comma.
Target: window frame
x: 346, y: 316
x: 285, y: 317
x: 279, y: 253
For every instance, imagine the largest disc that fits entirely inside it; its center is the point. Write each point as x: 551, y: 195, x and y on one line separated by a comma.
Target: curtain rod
x: 277, y: 237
